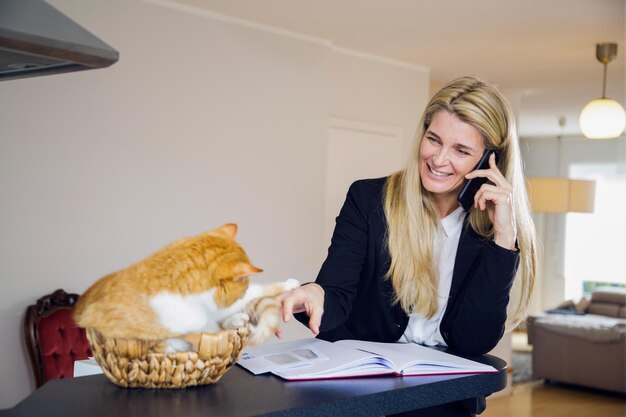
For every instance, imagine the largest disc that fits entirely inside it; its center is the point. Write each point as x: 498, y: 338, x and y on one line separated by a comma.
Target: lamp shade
x: 602, y: 118
x: 561, y: 195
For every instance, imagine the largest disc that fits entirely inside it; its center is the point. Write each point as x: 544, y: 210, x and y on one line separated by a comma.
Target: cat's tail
x: 264, y: 313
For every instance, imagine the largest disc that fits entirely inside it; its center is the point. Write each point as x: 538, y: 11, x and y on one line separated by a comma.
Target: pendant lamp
x: 603, y: 118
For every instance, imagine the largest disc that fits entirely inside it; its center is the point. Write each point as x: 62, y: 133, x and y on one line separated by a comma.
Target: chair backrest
x: 53, y: 339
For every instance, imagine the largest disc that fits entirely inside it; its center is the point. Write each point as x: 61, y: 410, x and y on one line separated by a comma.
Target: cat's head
x: 234, y: 261
x: 231, y: 267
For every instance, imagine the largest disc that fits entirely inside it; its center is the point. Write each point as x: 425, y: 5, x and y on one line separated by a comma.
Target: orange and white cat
x: 194, y: 285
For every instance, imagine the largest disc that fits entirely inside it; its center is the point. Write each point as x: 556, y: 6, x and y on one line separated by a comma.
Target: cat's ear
x: 229, y: 229
x: 243, y: 269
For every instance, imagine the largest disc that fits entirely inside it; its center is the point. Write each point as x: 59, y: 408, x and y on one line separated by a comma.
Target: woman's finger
x: 309, y: 299
x: 492, y: 174
x: 499, y: 206
x: 290, y: 304
x: 490, y: 192
x: 315, y: 319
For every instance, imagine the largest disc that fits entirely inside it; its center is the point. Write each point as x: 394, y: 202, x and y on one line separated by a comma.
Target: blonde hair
x: 412, y: 216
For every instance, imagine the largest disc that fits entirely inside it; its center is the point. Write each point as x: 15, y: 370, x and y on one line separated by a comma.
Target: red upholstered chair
x: 53, y: 339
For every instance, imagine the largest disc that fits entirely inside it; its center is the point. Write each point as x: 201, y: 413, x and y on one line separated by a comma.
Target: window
x: 595, y: 242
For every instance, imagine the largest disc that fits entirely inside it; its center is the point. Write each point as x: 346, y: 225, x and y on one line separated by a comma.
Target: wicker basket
x: 130, y: 363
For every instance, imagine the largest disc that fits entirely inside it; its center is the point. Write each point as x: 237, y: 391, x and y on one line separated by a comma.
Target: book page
x: 269, y: 358
x: 414, y: 359
x: 312, y: 359
x: 342, y: 362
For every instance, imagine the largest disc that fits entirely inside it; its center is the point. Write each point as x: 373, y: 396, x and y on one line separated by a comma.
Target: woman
x: 406, y: 263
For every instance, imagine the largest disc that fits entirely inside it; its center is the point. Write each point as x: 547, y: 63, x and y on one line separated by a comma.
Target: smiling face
x: 449, y: 150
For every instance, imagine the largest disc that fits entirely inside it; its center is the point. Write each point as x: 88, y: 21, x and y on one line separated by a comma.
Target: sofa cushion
x: 604, y: 309
x: 591, y: 327
x: 610, y: 295
x: 583, y: 305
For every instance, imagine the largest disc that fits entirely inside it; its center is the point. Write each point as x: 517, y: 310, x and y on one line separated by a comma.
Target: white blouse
x: 424, y: 330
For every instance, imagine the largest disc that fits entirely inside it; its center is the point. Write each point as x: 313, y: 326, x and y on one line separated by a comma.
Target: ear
x: 230, y: 229
x: 243, y: 270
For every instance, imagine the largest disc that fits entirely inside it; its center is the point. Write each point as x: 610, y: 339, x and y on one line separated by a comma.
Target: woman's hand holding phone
x: 496, y: 196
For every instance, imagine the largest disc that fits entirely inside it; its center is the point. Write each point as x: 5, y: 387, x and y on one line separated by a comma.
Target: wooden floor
x: 536, y: 399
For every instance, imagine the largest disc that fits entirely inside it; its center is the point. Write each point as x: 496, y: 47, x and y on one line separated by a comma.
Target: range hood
x: 36, y: 39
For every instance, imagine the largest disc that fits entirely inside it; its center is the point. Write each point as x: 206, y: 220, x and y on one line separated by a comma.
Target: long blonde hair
x: 411, y: 212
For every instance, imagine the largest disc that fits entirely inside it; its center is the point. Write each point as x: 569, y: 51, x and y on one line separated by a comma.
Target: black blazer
x: 359, y: 299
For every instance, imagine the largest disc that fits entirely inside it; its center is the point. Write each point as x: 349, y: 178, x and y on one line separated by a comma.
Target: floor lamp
x: 555, y: 195
x: 561, y: 195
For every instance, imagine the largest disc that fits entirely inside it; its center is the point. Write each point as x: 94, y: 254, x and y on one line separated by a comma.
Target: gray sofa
x: 588, y: 349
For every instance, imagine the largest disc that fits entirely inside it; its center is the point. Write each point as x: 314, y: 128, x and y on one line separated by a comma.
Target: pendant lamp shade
x: 603, y: 118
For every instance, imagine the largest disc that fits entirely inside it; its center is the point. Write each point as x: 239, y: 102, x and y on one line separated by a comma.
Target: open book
x: 317, y: 359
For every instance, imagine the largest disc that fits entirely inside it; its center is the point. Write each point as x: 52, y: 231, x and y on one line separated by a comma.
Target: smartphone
x: 470, y: 187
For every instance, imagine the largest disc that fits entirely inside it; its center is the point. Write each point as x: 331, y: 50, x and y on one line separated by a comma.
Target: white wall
x: 375, y: 110
x: 387, y: 93
x: 201, y: 122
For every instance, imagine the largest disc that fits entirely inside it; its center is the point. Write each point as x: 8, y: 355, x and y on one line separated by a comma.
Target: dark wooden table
x: 239, y: 393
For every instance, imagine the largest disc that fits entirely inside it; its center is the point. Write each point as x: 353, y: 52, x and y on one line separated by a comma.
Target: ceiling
x: 540, y: 53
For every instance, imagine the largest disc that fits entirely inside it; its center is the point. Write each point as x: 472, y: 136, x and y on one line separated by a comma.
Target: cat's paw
x: 291, y: 284
x: 260, y: 334
x: 235, y: 321
x: 268, y: 326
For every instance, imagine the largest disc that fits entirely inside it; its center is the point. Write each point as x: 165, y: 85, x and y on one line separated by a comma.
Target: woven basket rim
x: 243, y: 331
x: 145, y: 369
